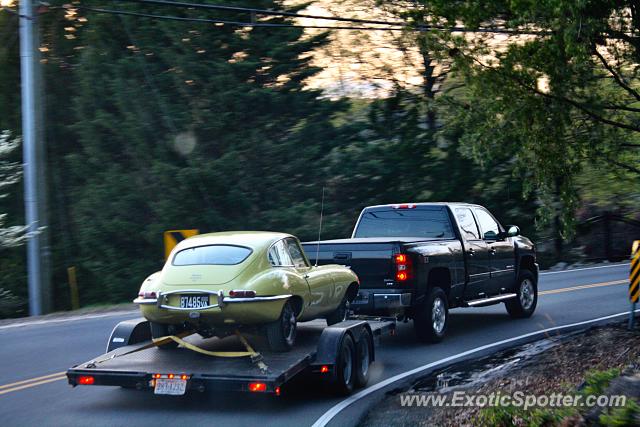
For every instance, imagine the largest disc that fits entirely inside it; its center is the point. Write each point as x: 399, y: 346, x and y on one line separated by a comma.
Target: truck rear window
x: 212, y: 255
x: 428, y: 223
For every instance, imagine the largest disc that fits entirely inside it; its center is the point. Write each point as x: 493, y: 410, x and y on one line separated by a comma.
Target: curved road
x: 35, y: 354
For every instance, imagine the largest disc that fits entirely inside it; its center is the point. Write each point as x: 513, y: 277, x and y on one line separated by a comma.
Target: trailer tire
x: 431, y: 318
x: 340, y: 313
x: 525, y: 303
x: 344, y: 377
x: 159, y: 330
x: 281, y: 334
x: 363, y: 359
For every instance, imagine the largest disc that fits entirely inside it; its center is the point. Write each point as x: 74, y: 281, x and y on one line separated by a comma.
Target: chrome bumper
x: 161, y: 300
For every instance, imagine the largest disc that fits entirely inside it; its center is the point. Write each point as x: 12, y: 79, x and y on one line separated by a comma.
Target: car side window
x: 488, y: 225
x: 296, y: 253
x: 278, y: 255
x: 467, y: 224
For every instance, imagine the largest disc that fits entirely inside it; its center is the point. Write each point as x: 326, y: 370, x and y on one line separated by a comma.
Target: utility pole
x: 31, y: 133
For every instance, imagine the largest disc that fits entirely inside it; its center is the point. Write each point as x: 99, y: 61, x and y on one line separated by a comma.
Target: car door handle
x: 471, y: 252
x: 492, y: 251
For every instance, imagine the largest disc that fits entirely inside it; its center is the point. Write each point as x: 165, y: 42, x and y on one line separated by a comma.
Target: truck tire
x: 281, y: 334
x: 363, y: 359
x: 527, y: 290
x: 340, y: 313
x: 344, y: 378
x: 159, y: 330
x: 430, y: 320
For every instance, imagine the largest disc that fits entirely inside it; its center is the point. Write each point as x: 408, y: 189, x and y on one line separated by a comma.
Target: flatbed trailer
x: 339, y: 355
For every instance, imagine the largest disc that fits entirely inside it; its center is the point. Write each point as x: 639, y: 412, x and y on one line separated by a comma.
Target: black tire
x: 159, y: 330
x: 525, y: 303
x: 363, y: 359
x: 281, y: 334
x: 340, y: 313
x: 431, y: 319
x: 344, y: 378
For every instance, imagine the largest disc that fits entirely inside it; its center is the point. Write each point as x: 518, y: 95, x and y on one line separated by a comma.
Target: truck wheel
x: 159, y: 330
x: 527, y: 290
x: 345, y: 376
x: 281, y: 334
x: 430, y: 321
x: 340, y: 313
x: 363, y: 359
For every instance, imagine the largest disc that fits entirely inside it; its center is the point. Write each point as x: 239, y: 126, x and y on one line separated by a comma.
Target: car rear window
x: 212, y: 255
x: 420, y: 222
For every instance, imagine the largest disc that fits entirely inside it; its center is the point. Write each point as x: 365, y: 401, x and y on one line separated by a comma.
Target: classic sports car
x: 217, y: 283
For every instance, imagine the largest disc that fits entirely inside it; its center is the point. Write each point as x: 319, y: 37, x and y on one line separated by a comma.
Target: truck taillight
x: 403, y: 267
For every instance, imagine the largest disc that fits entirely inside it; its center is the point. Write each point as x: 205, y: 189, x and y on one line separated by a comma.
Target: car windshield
x: 421, y: 222
x: 212, y: 255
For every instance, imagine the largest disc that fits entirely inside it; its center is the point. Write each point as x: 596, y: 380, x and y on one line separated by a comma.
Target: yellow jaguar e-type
x: 220, y: 282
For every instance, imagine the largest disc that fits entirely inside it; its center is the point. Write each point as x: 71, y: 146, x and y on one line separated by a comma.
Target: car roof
x: 391, y: 205
x: 255, y: 240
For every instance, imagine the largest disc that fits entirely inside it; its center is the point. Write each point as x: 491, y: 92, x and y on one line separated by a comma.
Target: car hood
x: 199, y: 275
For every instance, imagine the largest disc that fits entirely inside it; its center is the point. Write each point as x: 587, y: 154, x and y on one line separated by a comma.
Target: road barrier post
x: 173, y: 237
x: 634, y: 280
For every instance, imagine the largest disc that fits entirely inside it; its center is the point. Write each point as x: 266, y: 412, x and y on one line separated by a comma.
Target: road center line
x: 61, y: 376
x: 336, y: 409
x: 579, y: 287
x: 31, y: 380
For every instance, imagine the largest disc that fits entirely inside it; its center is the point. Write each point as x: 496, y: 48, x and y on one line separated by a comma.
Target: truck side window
x: 278, y: 255
x: 488, y: 225
x: 467, y: 224
x: 296, y: 253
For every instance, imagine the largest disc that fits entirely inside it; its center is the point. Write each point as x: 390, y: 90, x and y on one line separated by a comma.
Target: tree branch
x: 616, y: 76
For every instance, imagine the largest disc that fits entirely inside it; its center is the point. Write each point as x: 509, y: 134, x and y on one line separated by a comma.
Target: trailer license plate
x: 175, y: 387
x: 194, y: 301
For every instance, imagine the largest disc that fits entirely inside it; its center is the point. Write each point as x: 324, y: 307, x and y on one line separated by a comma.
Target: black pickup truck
x: 418, y: 260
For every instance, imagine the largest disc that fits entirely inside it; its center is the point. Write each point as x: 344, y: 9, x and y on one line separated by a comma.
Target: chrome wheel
x: 438, y: 315
x: 526, y: 294
x: 364, y: 358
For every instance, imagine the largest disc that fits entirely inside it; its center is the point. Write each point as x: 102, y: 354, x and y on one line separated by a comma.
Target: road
x: 33, y: 391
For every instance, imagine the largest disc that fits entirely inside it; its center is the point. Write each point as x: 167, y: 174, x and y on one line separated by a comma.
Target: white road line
x: 544, y: 273
x: 335, y: 410
x: 69, y: 319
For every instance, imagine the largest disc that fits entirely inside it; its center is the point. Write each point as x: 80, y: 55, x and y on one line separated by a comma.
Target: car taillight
x: 147, y: 295
x: 403, y: 267
x: 242, y: 294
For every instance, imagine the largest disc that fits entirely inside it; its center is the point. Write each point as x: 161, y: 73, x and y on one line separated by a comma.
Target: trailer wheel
x: 344, y: 378
x: 281, y: 334
x: 340, y: 313
x: 159, y: 330
x: 363, y: 359
x: 430, y: 320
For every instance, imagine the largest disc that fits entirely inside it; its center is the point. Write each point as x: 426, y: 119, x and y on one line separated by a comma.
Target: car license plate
x: 361, y: 298
x: 194, y: 301
x: 174, y: 387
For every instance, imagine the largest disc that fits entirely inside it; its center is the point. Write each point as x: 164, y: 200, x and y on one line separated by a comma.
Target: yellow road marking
x: 20, y: 387
x: 577, y: 288
x: 31, y: 380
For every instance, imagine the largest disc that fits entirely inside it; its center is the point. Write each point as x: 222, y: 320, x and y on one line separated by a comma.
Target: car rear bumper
x: 381, y: 300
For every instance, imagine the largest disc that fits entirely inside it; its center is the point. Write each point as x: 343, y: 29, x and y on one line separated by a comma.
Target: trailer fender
x: 129, y: 332
x: 332, y: 336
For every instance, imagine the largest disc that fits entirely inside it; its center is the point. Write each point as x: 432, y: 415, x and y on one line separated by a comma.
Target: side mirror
x: 513, y: 230
x: 490, y: 235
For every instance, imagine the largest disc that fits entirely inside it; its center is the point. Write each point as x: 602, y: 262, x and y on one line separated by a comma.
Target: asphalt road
x: 34, y: 356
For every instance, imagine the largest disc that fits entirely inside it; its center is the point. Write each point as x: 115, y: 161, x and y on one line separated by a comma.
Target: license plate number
x: 174, y: 387
x: 194, y: 301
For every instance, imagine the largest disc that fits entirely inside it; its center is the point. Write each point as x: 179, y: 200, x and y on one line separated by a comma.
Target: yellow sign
x: 173, y: 237
x: 634, y: 272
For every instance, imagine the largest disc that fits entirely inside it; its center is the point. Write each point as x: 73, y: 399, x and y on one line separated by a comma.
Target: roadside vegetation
x: 170, y: 125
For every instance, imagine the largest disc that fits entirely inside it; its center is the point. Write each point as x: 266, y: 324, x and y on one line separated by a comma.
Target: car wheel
x: 281, y: 334
x: 159, y: 330
x: 344, y: 378
x: 363, y: 359
x: 525, y: 303
x: 430, y: 321
x: 339, y: 314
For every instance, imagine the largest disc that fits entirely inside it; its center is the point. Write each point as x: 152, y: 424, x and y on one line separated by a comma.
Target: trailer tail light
x: 86, y: 380
x: 278, y: 391
x: 242, y: 294
x: 257, y: 387
x: 324, y: 369
x: 403, y: 267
